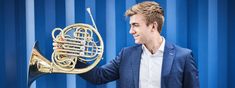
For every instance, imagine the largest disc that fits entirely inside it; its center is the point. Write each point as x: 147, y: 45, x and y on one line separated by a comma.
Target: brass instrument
x: 76, y: 42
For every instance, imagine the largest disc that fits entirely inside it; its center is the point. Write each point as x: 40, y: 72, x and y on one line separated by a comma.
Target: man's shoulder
x: 179, y: 49
x: 182, y: 49
x: 181, y: 53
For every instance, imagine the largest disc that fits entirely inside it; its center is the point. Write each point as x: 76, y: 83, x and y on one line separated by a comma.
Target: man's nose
x: 131, y: 31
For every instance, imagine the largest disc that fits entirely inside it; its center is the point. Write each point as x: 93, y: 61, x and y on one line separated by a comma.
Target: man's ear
x: 154, y: 27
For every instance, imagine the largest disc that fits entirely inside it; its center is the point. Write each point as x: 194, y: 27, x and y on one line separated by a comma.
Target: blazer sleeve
x: 191, y: 78
x: 105, y: 73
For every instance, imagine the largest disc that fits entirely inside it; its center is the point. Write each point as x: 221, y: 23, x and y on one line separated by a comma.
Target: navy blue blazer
x: 178, y: 68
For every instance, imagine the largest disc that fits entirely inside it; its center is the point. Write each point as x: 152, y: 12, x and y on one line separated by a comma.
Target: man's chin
x: 137, y: 42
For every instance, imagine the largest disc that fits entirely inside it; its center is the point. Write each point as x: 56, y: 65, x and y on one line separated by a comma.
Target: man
x: 154, y: 62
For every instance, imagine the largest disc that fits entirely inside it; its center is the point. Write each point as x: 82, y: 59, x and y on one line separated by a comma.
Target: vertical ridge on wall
x: 231, y: 43
x: 129, y: 38
x: 100, y: 15
x: 10, y: 43
x: 201, y: 44
x: 222, y: 43
x: 110, y: 43
x: 30, y: 33
x: 80, y: 12
x: 21, y: 44
x: 70, y: 19
x: 171, y: 21
x: 212, y: 44
x: 120, y: 25
x: 60, y: 13
x: 60, y: 22
x: 193, y: 26
x: 181, y: 23
x: 92, y: 5
x: 40, y: 36
x: 2, y: 46
x: 100, y: 23
x: 50, y: 24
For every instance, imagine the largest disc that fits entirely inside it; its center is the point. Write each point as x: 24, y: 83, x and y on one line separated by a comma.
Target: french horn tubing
x: 75, y: 43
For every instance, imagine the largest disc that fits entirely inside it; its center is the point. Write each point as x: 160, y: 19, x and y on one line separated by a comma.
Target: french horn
x: 75, y: 44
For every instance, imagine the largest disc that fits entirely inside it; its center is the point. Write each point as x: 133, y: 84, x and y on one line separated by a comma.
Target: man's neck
x: 154, y: 44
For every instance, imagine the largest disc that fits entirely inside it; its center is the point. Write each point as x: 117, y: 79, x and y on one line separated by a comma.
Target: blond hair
x: 151, y: 10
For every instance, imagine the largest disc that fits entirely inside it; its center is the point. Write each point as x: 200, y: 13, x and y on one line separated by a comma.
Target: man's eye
x: 136, y: 25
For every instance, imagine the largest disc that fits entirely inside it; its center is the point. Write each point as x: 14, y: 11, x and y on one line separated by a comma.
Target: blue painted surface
x: 231, y: 43
x: 212, y: 44
x: 129, y: 38
x: 30, y: 34
x: 70, y: 19
x: 60, y: 22
x: 80, y: 12
x: 170, y: 15
x: 120, y: 25
x: 21, y: 43
x: 10, y: 43
x: 40, y: 36
x: 205, y: 26
x: 2, y: 45
x: 110, y: 44
x: 222, y: 16
x: 182, y: 23
x: 200, y: 45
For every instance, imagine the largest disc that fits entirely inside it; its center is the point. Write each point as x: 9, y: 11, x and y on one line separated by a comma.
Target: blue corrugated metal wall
x: 205, y: 26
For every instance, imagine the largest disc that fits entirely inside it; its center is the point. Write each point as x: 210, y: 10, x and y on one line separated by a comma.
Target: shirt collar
x: 161, y: 48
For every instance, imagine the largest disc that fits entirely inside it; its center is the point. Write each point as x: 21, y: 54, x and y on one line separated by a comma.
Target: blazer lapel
x: 136, y: 65
x: 168, y: 57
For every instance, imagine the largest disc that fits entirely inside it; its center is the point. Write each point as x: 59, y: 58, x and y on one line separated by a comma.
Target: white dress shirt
x: 151, y: 67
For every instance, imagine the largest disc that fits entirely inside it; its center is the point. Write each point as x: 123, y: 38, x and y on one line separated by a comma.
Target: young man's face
x: 138, y: 28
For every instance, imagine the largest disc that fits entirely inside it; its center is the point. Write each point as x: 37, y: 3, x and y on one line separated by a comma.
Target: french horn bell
x: 75, y: 44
